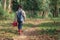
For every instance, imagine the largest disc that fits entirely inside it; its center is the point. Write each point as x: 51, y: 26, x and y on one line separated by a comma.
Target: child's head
x: 19, y: 7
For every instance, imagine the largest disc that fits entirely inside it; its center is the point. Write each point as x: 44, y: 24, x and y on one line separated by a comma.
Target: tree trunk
x: 43, y: 14
x: 56, y: 11
x: 9, y: 6
x: 4, y: 4
x: 53, y: 13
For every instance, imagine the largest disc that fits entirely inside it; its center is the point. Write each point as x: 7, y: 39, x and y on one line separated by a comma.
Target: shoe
x: 19, y: 32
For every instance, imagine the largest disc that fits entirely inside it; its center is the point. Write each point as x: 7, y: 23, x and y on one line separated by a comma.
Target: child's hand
x: 23, y: 22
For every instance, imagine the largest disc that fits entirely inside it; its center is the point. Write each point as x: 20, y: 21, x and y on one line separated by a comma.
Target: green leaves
x: 15, y: 5
x: 31, y: 5
x: 1, y: 11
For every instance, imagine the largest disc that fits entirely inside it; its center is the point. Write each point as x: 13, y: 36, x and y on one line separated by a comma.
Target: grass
x: 7, y: 30
x: 45, y: 25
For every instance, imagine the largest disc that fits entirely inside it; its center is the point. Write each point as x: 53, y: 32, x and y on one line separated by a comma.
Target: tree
x: 36, y: 5
x: 44, y: 7
x: 54, y: 7
x: 31, y: 5
x: 9, y: 6
x: 14, y: 5
x: 4, y: 1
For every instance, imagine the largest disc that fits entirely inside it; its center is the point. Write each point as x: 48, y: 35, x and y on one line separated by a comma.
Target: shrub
x: 3, y: 14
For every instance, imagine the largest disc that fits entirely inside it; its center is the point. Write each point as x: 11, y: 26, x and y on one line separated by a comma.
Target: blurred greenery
x: 35, y: 8
x: 3, y: 14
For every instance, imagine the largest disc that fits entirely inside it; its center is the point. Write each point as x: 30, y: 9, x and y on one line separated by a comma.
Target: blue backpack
x: 20, y: 16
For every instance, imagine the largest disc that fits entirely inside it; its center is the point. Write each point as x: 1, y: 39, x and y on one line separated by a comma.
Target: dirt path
x: 27, y: 33
x: 33, y: 34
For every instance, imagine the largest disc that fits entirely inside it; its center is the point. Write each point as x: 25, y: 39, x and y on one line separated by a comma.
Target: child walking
x: 21, y: 16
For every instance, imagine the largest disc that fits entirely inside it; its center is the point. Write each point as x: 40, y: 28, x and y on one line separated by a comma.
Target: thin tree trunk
x: 9, y: 6
x: 56, y: 11
x: 43, y: 14
x: 4, y: 4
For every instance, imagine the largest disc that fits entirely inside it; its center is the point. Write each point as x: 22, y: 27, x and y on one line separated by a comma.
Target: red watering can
x: 15, y: 23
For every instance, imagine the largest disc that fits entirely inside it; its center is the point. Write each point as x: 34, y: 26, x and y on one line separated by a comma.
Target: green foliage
x: 50, y: 15
x: 1, y: 11
x: 31, y: 4
x: 11, y: 16
x: 58, y: 2
x: 34, y: 5
x: 14, y: 5
x: 3, y: 14
x: 54, y: 2
x: 45, y: 5
x: 48, y: 31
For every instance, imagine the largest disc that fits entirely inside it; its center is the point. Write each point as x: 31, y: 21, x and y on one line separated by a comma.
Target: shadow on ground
x: 8, y: 30
x: 49, y: 24
x: 46, y: 34
x: 6, y: 24
x: 44, y: 25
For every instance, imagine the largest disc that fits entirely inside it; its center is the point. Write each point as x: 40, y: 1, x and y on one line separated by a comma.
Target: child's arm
x: 24, y: 15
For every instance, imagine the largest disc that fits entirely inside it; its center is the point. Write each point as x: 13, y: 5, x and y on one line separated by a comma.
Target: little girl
x: 20, y: 16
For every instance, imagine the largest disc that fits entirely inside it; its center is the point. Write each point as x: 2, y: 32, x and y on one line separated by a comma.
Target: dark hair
x: 19, y: 6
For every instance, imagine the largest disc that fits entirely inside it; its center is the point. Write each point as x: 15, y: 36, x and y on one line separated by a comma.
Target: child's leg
x: 19, y: 27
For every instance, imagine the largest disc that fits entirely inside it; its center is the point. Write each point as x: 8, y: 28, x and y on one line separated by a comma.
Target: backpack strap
x: 20, y: 16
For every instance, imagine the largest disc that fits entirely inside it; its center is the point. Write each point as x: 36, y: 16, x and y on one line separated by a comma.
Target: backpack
x: 20, y: 16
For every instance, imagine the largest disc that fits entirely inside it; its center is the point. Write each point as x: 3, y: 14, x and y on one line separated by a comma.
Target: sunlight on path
x: 20, y: 38
x: 29, y: 33
x: 25, y: 34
